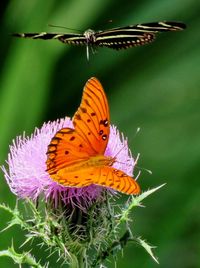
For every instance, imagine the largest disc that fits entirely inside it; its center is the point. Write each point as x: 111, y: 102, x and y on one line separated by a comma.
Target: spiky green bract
x: 81, y: 239
x: 75, y: 235
x: 21, y: 258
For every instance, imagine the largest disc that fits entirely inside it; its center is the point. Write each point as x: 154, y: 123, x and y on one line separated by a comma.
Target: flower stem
x: 79, y: 261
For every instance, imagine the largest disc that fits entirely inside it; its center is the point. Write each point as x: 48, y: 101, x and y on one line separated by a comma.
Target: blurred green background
x: 155, y: 87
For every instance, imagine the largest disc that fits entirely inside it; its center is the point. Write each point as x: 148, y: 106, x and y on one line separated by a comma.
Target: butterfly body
x: 76, y: 157
x: 116, y: 38
x: 83, y: 164
x: 90, y: 36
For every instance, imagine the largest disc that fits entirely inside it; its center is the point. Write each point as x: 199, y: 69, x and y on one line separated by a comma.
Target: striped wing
x: 90, y: 134
x: 135, y: 35
x: 92, y: 119
x: 104, y: 176
x: 76, y: 156
x: 116, y: 179
x: 69, y: 38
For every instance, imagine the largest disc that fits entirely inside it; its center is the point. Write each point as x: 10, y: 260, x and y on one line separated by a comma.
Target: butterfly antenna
x: 62, y: 27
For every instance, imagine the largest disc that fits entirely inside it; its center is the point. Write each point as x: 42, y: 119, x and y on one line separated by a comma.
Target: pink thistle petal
x: 26, y: 173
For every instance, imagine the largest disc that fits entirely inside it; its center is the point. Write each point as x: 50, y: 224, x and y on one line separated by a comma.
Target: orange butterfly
x: 76, y: 156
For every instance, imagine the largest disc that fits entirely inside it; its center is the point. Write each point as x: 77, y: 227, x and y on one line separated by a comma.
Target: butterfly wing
x: 135, y: 35
x: 92, y: 119
x: 67, y: 148
x: 116, y: 179
x: 74, y: 39
x: 122, y: 39
x: 69, y: 38
x: 70, y: 147
x: 104, y: 176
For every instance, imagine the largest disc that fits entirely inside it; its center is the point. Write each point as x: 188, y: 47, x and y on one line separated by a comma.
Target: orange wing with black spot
x: 76, y: 156
x: 92, y: 120
x: 90, y: 134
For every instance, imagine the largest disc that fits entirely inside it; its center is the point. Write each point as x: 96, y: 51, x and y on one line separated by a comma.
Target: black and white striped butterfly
x: 116, y: 38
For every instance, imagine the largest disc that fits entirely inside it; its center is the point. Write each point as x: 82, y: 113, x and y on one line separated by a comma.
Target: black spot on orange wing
x: 104, y: 122
x: 87, y: 102
x: 104, y: 137
x: 83, y: 110
x: 77, y: 116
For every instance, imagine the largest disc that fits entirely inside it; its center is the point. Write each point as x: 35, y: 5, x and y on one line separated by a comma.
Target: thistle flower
x: 26, y: 168
x: 81, y: 225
